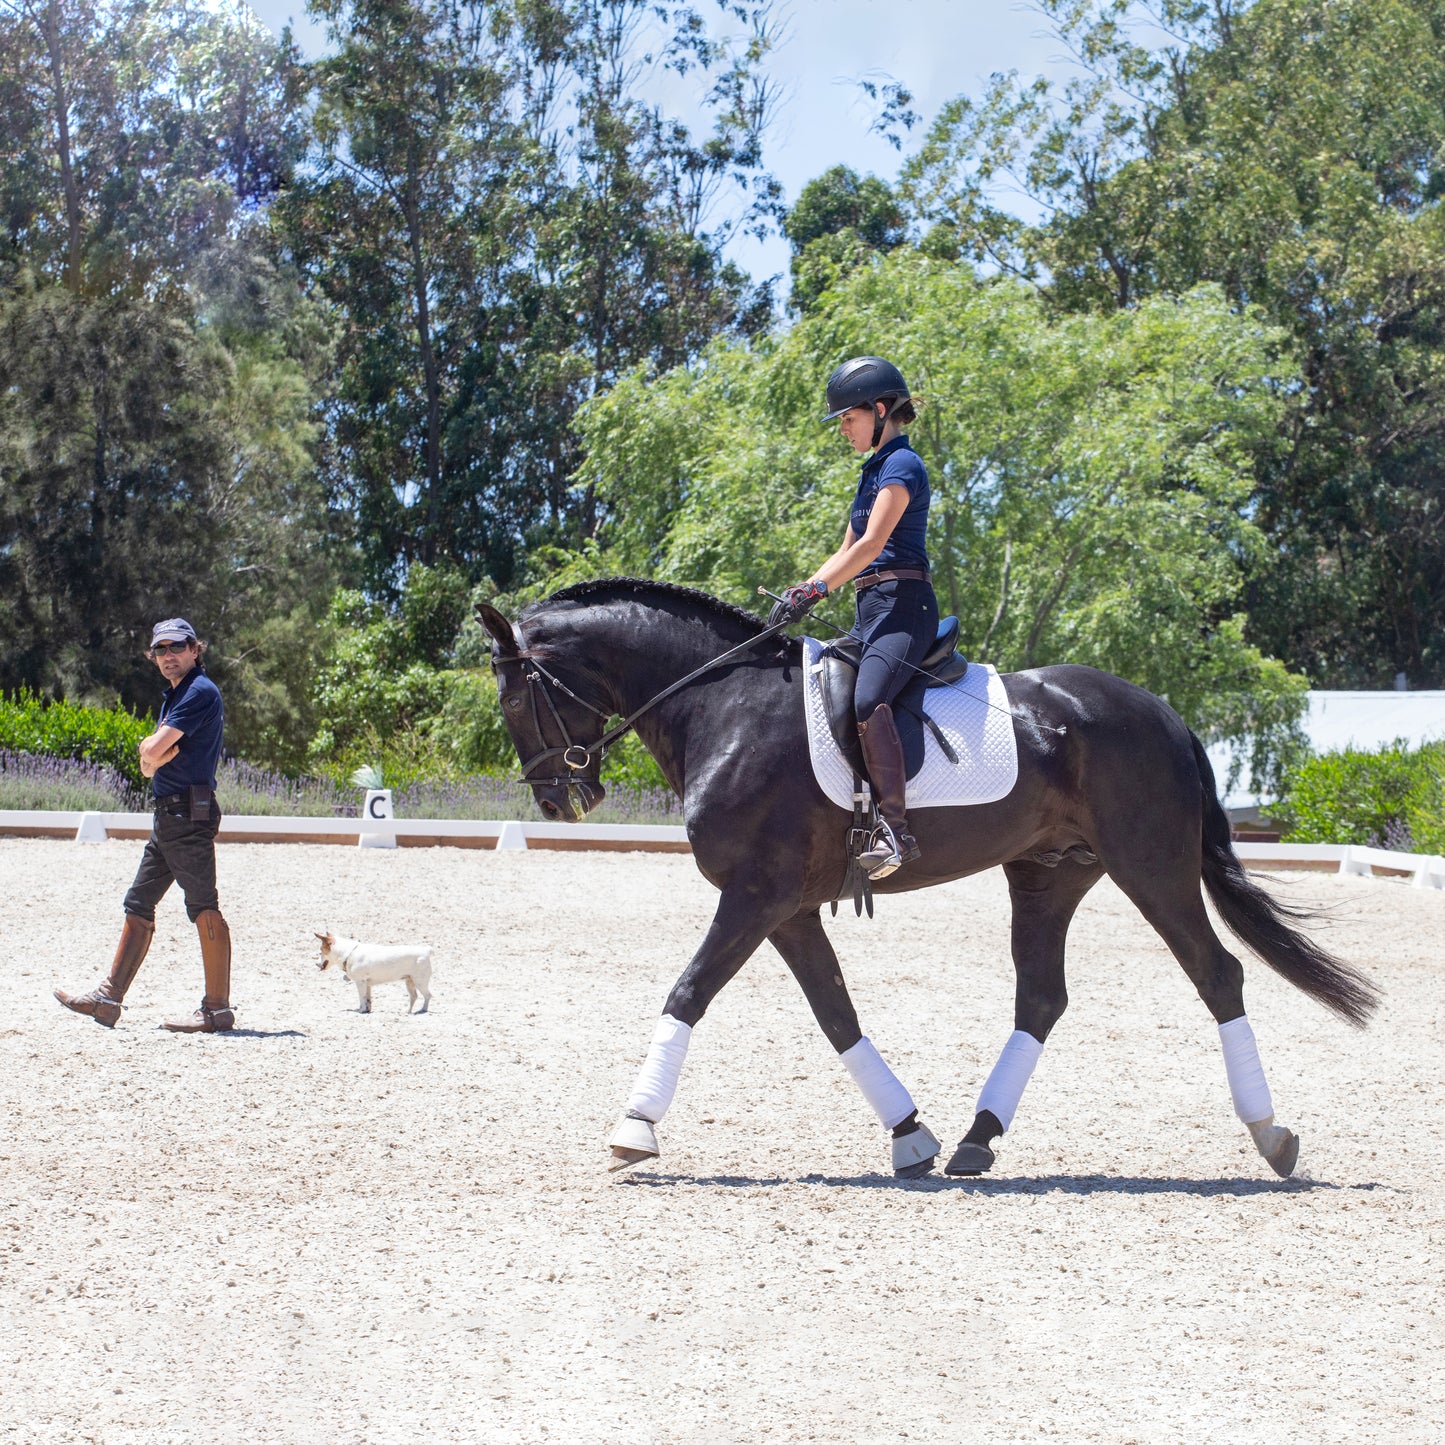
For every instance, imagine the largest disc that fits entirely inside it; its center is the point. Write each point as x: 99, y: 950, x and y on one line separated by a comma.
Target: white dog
x: 368, y: 963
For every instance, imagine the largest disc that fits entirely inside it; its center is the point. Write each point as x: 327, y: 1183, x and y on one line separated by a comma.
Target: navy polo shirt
x: 194, y: 707
x: 895, y: 464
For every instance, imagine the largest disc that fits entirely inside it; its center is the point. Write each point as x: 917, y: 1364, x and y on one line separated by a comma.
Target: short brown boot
x: 214, y: 1015
x: 893, y: 845
x: 102, y: 1003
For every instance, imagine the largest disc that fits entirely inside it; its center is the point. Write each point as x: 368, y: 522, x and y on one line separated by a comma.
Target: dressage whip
x: 932, y: 677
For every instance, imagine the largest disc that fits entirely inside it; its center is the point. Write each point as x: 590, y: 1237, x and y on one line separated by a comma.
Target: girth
x: 839, y: 663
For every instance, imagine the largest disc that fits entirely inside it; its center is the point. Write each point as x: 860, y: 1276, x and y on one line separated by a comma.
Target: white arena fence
x: 368, y: 832
x: 1423, y: 870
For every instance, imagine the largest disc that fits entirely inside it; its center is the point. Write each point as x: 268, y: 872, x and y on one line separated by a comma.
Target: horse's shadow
x: 261, y: 1034
x: 980, y: 1184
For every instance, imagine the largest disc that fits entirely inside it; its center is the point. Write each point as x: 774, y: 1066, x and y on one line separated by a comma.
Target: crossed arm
x: 159, y: 748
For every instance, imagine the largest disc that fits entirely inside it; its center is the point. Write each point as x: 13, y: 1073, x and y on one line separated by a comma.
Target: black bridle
x: 577, y: 757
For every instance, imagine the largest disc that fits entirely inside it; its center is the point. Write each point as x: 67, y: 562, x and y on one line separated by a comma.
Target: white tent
x: 1367, y: 721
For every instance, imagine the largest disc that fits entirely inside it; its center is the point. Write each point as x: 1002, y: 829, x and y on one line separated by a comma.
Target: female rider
x: 883, y: 556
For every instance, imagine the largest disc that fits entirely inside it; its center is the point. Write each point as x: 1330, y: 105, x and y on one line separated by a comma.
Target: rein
x: 578, y: 756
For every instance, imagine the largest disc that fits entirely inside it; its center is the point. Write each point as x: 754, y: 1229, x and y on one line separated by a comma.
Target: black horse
x: 1110, y: 780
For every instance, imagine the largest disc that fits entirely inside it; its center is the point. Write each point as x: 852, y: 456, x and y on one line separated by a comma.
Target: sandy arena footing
x: 331, y: 1227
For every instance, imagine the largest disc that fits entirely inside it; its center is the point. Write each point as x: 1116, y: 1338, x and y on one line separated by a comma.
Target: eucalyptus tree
x: 502, y: 223
x: 1290, y: 151
x: 839, y: 220
x: 157, y: 370
x: 142, y: 132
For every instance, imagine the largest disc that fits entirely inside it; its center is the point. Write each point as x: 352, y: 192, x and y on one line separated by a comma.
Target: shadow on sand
x: 260, y: 1034
x: 1038, y: 1184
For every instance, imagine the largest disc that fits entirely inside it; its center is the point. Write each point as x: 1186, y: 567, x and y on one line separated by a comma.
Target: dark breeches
x: 897, y: 623
x: 178, y: 851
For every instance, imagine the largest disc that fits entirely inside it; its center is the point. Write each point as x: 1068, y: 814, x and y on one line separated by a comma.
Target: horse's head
x: 553, y: 728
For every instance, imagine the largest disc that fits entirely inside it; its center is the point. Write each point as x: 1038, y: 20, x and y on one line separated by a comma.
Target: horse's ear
x: 502, y: 631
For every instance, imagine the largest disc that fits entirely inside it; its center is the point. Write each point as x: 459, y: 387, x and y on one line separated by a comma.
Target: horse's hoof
x: 914, y: 1153
x: 626, y: 1158
x: 633, y: 1141
x: 1285, y: 1155
x: 1278, y: 1146
x: 970, y: 1159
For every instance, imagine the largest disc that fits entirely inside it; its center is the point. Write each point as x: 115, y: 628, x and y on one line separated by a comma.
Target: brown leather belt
x: 899, y: 574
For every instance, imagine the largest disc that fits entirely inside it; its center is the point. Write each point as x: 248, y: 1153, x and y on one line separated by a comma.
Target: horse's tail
x: 1263, y: 922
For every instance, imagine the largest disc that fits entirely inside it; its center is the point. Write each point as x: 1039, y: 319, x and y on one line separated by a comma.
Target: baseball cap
x: 174, y: 629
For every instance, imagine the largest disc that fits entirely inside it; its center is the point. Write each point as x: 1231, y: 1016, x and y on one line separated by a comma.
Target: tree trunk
x: 429, y: 371
x: 49, y: 25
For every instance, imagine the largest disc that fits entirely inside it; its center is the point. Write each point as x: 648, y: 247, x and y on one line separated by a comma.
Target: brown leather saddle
x: 839, y: 663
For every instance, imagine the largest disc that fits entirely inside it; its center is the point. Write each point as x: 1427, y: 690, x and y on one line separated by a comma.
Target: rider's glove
x: 797, y: 602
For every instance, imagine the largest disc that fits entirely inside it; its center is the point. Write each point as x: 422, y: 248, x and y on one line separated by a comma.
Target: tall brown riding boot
x: 893, y: 845
x: 102, y: 1003
x: 214, y: 1015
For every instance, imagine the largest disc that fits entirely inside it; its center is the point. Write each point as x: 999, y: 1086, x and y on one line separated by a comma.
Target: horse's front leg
x: 745, y: 916
x: 808, y: 952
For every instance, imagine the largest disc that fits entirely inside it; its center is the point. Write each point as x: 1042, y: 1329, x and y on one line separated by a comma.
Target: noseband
x: 578, y: 756
x: 575, y: 756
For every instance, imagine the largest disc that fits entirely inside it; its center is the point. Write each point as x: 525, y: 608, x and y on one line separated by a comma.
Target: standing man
x: 180, y: 759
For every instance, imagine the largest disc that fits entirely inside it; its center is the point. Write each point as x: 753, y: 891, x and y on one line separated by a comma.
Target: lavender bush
x: 29, y: 780
x: 252, y: 792
x: 68, y: 784
x: 481, y: 797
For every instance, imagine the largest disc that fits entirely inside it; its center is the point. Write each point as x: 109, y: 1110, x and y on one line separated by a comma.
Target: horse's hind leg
x: 1173, y: 905
x: 1044, y: 900
x: 807, y: 951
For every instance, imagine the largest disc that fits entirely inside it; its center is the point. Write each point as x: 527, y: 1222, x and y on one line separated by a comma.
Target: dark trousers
x: 897, y: 624
x: 178, y: 851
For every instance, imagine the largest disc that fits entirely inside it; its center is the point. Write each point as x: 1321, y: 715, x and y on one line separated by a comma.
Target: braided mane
x: 580, y: 591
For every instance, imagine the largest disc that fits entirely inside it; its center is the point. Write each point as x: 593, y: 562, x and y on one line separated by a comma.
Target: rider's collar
x: 899, y: 443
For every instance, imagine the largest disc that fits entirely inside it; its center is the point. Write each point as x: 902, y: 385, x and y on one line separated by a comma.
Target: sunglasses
x: 160, y: 649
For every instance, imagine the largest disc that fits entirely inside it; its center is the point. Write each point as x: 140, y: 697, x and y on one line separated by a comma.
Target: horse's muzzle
x: 570, y: 802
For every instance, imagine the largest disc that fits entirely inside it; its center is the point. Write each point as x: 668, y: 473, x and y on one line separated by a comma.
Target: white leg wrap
x: 1247, y: 1083
x: 878, y: 1083
x: 1004, y: 1088
x: 657, y: 1078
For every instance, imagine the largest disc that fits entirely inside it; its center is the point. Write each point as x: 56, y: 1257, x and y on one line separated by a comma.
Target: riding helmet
x: 863, y: 381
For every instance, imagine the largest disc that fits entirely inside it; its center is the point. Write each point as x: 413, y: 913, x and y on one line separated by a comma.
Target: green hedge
x: 108, y: 736
x: 1394, y: 798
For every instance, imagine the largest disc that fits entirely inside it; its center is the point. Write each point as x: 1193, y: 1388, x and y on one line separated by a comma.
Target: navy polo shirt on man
x: 895, y: 464
x: 193, y: 706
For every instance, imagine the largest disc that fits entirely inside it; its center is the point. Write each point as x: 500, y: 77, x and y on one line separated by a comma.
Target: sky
x: 937, y: 48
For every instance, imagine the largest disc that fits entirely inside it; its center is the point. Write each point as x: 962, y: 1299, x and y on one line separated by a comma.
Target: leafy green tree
x: 144, y: 132
x: 1289, y: 151
x: 838, y: 221
x: 1092, y: 475
x: 388, y: 671
x: 148, y: 468
x: 158, y: 373
x: 503, y: 225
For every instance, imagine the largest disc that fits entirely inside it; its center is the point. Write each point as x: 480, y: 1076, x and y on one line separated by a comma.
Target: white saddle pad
x: 981, y: 734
